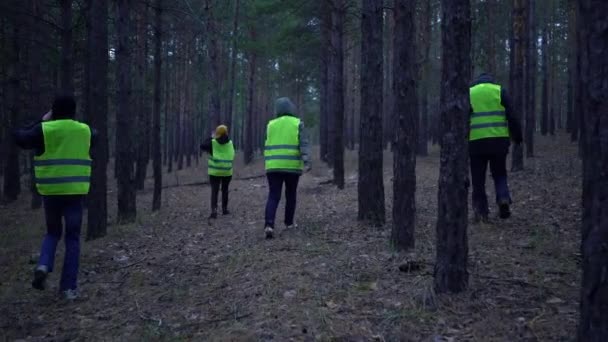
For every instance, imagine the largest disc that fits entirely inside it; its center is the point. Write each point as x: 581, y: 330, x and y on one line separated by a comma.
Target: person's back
x: 492, y: 126
x: 219, y: 167
x: 62, y: 169
x: 286, y: 154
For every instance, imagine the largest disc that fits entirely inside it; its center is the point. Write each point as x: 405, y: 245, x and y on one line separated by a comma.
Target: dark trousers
x: 216, y: 182
x: 498, y: 168
x: 58, y: 209
x: 275, y: 185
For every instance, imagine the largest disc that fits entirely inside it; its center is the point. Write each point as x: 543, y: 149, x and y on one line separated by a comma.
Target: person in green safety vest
x: 492, y: 127
x: 219, y: 167
x: 286, y: 155
x: 62, y: 169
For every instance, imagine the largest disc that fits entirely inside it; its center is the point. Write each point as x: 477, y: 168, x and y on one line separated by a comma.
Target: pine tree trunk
x: 12, y: 173
x: 371, y: 173
x: 593, y: 325
x: 389, y: 96
x: 127, y: 210
x: 424, y: 52
x: 37, y: 104
x: 231, y: 91
x: 518, y: 82
x: 338, y: 8
x: 215, y: 117
x: 451, y: 274
x: 143, y: 115
x: 97, y: 42
x: 544, y: 122
x: 531, y: 56
x: 67, y: 68
x: 251, y: 93
x: 406, y: 118
x: 573, y: 115
x: 156, y: 138
x: 324, y: 81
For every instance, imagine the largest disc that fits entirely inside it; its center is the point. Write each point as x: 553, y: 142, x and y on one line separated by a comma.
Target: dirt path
x: 176, y: 276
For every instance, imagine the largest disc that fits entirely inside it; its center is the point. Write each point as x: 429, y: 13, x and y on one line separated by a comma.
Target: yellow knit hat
x: 221, y: 130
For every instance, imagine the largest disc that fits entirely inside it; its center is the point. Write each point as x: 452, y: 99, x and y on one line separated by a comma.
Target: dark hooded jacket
x: 207, y: 146
x: 497, y: 145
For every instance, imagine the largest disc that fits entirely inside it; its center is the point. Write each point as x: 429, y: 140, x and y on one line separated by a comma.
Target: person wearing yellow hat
x: 219, y: 166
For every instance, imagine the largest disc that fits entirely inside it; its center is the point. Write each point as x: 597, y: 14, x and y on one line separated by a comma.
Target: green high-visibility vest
x: 488, y: 119
x: 282, y: 148
x: 65, y: 166
x: 220, y: 163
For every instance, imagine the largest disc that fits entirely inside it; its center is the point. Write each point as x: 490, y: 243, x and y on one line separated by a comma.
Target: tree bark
x: 67, y: 49
x: 215, y: 117
x: 143, y: 115
x: 406, y: 119
x: 544, y: 121
x: 97, y: 43
x: 249, y: 120
x: 338, y: 8
x: 451, y: 274
x: 531, y: 56
x: 231, y: 91
x: 572, y: 124
x: 593, y: 325
x: 12, y: 172
x: 424, y: 43
x: 389, y: 134
x: 38, y: 103
x: 518, y: 84
x: 156, y: 138
x: 127, y: 209
x: 324, y: 81
x: 371, y: 173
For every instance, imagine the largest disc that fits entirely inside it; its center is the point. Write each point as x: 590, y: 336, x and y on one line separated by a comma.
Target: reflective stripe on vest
x: 221, y: 162
x: 488, y: 119
x: 282, y: 148
x: 65, y: 166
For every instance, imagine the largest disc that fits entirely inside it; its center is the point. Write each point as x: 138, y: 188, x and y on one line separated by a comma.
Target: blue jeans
x: 56, y: 209
x: 275, y: 185
x: 498, y: 168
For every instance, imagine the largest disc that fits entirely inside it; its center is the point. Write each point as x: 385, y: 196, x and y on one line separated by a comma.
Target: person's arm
x: 513, y: 122
x: 29, y: 137
x: 206, y: 146
x: 304, y: 145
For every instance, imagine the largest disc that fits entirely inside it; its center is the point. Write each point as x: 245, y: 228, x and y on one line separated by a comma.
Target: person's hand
x: 48, y: 116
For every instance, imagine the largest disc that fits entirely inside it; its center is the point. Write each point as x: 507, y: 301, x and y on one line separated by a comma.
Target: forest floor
x: 176, y: 276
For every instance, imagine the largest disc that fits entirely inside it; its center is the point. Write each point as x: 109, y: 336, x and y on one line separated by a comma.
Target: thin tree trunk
x: 37, y: 104
x: 127, y: 210
x: 406, y: 119
x: 324, y: 81
x: 156, y: 149
x: 231, y: 99
x: 424, y: 72
x: 593, y: 324
x: 249, y: 120
x: 371, y: 173
x: 518, y: 84
x: 544, y: 122
x: 215, y: 117
x: 531, y: 55
x: 12, y: 173
x: 573, y: 121
x: 389, y: 96
x: 67, y: 68
x: 143, y: 115
x: 97, y: 42
x: 451, y: 274
x: 337, y: 89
